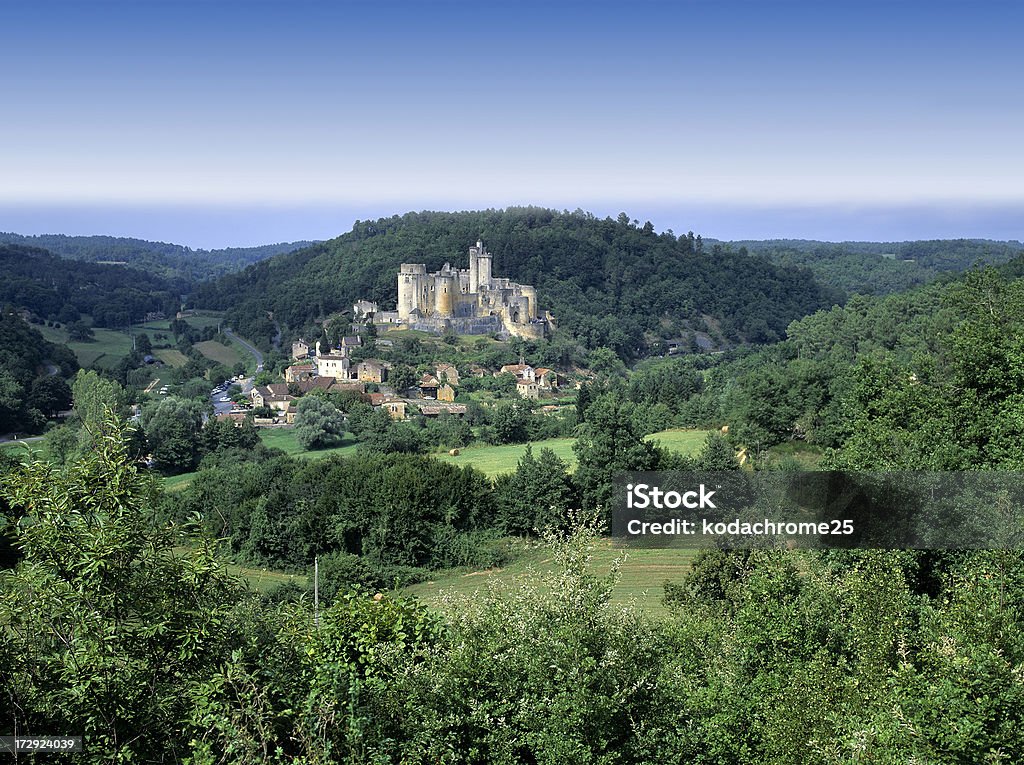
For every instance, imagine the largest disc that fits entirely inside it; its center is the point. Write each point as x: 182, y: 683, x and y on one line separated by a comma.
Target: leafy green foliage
x: 103, y: 622
x: 318, y: 424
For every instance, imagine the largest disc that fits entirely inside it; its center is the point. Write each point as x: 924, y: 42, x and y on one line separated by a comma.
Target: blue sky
x: 218, y: 123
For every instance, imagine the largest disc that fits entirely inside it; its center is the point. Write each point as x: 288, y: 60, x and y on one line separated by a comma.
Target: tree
x: 143, y: 344
x: 50, y: 395
x: 172, y: 428
x: 402, y: 377
x: 318, y: 423
x: 80, y: 332
x: 509, y: 423
x: 609, y: 443
x: 537, y: 496
x: 119, y: 621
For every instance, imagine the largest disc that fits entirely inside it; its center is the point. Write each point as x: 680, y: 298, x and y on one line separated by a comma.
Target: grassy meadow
x: 227, y: 355
x: 494, y: 460
x: 642, y: 575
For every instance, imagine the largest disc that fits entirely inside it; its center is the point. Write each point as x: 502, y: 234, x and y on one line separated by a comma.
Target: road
x: 252, y: 349
x: 222, y: 407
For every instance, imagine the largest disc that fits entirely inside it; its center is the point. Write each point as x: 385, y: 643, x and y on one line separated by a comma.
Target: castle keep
x: 470, y: 301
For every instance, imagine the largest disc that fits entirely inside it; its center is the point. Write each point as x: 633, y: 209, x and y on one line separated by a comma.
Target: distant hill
x: 114, y: 296
x: 172, y: 261
x: 878, y: 268
x: 609, y: 282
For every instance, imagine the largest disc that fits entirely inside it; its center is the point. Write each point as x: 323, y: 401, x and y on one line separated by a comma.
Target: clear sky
x: 218, y: 123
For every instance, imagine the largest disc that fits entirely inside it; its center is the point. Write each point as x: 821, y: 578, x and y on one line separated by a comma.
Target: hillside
x: 608, y: 282
x: 878, y: 268
x: 172, y: 261
x: 113, y: 295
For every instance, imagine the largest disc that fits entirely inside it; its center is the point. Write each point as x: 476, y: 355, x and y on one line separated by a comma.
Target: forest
x: 114, y: 296
x: 170, y: 261
x: 609, y: 283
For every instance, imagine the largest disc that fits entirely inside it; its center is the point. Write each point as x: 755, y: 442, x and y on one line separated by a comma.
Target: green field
x: 265, y: 580
x: 494, y: 460
x: 171, y: 357
x: 284, y: 438
x: 276, y: 438
x: 202, y: 321
x: 641, y: 575
x: 21, y: 449
x: 685, y: 441
x: 105, y: 351
x: 226, y: 355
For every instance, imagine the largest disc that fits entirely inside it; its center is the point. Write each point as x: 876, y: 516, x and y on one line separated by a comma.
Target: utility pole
x: 316, y: 591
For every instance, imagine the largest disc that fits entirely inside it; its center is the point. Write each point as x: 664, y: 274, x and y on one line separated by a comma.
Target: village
x: 469, y: 301
x: 435, y: 393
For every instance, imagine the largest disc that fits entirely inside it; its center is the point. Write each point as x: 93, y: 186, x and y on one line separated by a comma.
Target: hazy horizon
x: 216, y: 228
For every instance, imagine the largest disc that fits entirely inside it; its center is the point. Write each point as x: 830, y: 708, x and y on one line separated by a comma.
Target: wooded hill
x: 879, y: 268
x: 172, y: 261
x: 612, y: 283
x: 114, y: 296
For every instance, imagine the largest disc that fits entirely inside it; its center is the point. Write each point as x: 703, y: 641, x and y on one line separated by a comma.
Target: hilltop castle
x: 470, y: 301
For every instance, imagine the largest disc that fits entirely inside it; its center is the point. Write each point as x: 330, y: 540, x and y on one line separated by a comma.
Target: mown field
x: 494, y: 460
x: 284, y: 438
x: 641, y: 576
x: 223, y: 354
x: 171, y: 357
x: 109, y: 346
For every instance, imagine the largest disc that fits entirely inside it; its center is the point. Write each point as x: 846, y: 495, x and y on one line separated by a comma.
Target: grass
x: 171, y: 357
x: 685, y: 441
x: 495, y: 460
x: 21, y: 449
x: 284, y: 438
x: 640, y: 583
x: 798, y: 453
x: 219, y: 352
x: 265, y: 580
x: 203, y: 321
x: 108, y: 347
x: 276, y: 438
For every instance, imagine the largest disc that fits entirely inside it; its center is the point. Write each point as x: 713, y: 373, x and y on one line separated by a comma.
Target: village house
x: 275, y: 396
x: 395, y: 408
x: 478, y: 371
x: 446, y: 393
x: 428, y: 386
x: 351, y: 341
x: 372, y: 371
x: 299, y: 372
x: 447, y: 373
x: 300, y: 349
x: 436, y: 410
x: 547, y: 379
x: 527, y: 389
x: 521, y: 371
x: 334, y: 364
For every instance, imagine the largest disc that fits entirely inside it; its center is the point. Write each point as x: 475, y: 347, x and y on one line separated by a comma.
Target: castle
x: 469, y: 301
